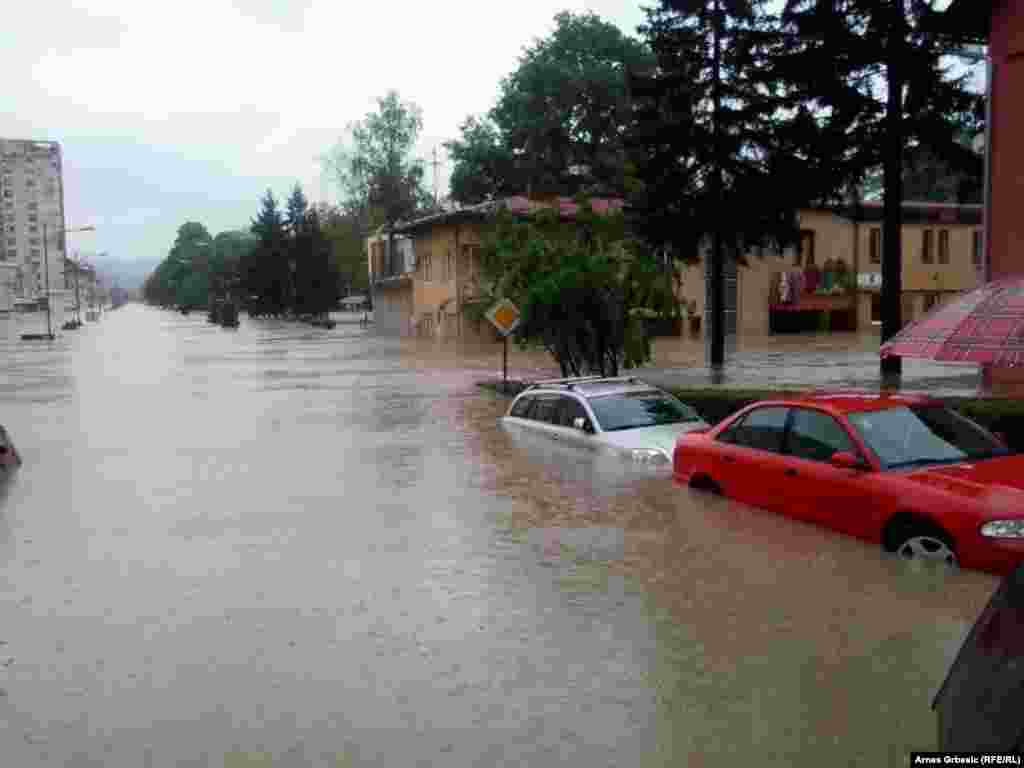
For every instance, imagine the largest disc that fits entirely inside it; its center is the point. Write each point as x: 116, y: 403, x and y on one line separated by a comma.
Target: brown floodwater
x: 289, y: 546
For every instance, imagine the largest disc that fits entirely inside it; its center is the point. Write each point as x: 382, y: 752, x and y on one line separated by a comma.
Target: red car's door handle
x: 791, y: 472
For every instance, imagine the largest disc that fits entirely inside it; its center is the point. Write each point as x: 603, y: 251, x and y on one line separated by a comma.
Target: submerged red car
x: 903, y: 471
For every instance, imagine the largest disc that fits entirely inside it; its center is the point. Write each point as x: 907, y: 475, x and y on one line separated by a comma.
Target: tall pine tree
x: 876, y: 71
x: 719, y: 151
x: 267, y: 275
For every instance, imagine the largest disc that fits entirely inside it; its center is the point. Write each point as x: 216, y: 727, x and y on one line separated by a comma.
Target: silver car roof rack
x: 571, y: 382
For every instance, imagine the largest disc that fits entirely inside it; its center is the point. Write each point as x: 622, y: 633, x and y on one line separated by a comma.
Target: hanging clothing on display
x: 812, y: 278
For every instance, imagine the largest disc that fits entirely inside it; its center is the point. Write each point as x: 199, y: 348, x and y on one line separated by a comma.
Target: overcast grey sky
x: 189, y: 110
x: 169, y: 112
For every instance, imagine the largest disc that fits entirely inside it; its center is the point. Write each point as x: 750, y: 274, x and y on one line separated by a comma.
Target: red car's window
x: 816, y: 436
x: 910, y: 436
x: 762, y: 428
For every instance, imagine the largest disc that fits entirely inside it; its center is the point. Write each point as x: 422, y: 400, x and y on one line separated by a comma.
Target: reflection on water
x: 321, y: 548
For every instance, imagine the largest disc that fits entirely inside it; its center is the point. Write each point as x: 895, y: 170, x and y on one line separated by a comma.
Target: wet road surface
x: 288, y: 546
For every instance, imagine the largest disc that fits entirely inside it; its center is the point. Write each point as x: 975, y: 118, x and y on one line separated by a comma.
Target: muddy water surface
x: 286, y: 546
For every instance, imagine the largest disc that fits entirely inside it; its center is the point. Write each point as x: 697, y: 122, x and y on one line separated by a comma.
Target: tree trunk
x: 892, y: 255
x: 717, y: 282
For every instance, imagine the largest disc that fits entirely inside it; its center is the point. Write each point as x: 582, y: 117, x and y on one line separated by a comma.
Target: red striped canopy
x: 983, y: 326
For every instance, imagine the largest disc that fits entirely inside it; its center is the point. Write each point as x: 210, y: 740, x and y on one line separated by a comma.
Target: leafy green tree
x: 485, y: 168
x: 584, y: 288
x: 230, y: 250
x: 380, y: 178
x: 348, y: 249
x: 559, y: 120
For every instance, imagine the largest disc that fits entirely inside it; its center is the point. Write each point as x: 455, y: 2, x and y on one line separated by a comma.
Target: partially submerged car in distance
x: 903, y: 471
x: 9, y: 457
x: 620, y: 415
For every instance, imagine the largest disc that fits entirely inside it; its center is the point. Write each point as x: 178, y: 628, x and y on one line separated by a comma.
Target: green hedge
x: 995, y: 414
x: 717, y: 403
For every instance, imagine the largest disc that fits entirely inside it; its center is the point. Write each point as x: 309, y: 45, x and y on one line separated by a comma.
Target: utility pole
x: 436, y: 164
x: 78, y: 299
x: 46, y: 277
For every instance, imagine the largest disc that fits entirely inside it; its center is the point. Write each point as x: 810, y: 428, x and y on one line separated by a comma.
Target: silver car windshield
x: 631, y: 410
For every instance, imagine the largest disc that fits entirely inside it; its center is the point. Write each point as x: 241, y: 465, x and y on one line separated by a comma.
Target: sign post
x: 505, y: 317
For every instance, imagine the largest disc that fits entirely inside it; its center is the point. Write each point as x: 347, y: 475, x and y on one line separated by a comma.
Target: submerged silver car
x: 621, y: 415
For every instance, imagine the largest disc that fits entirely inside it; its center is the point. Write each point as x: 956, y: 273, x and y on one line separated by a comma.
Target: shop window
x: 927, y: 246
x: 875, y: 246
x: 943, y: 246
x: 931, y: 300
x: 805, y: 251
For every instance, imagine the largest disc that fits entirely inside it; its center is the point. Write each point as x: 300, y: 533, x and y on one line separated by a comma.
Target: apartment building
x: 31, y: 196
x: 832, y: 278
x: 435, y: 273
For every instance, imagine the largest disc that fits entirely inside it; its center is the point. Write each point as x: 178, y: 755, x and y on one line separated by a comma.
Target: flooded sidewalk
x: 804, y: 361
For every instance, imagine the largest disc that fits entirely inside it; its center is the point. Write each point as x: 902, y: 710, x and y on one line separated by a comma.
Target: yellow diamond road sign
x: 504, y: 316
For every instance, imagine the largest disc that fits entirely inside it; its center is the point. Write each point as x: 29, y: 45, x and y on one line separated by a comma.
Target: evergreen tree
x: 877, y: 69
x: 267, y: 273
x: 719, y: 152
x: 316, y: 278
x: 296, y: 208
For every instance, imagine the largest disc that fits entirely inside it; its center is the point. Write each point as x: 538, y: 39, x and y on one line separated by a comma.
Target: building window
x: 33, y: 218
x: 451, y: 265
x: 875, y: 246
x: 927, y: 246
x: 33, y: 241
x: 30, y: 182
x: 32, y: 228
x: 426, y: 268
x: 33, y: 206
x: 931, y: 300
x: 12, y: 241
x: 977, y: 254
x: 12, y: 254
x: 35, y: 253
x: 943, y: 246
x: 805, y: 250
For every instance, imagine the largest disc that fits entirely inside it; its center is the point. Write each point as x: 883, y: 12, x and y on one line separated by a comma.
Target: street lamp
x: 46, y: 270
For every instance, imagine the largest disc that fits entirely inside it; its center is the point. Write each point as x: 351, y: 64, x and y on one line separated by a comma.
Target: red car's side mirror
x: 846, y: 460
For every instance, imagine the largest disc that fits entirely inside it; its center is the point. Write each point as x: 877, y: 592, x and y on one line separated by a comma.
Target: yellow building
x: 835, y: 271
x: 435, y: 274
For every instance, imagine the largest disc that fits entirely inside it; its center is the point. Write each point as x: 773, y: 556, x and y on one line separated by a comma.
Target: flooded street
x: 288, y: 546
